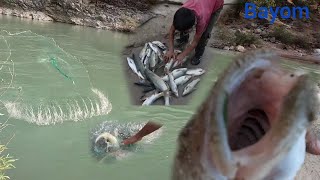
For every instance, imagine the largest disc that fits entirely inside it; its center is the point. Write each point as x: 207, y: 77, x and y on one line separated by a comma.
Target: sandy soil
x: 156, y: 29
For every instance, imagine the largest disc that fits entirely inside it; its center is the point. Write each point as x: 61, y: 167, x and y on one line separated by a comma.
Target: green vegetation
x: 288, y: 38
x: 6, y: 161
x: 229, y: 37
x: 245, y: 39
x: 224, y: 34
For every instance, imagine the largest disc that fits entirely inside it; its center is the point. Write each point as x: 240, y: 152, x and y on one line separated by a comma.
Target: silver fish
x: 167, y: 98
x: 156, y: 80
x: 182, y: 80
x: 160, y: 45
x: 161, y: 58
x: 149, y: 100
x: 176, y: 62
x: 190, y: 87
x: 195, y: 72
x: 172, y: 84
x: 251, y: 126
x: 143, y: 51
x: 168, y: 65
x: 176, y: 73
x: 176, y: 51
x: 155, y: 48
x: 133, y: 67
x: 147, y: 57
x: 153, y: 61
x: 140, y: 67
x: 146, y: 60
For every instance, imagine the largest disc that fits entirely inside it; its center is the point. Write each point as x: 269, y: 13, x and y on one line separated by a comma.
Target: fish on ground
x: 252, y: 125
x: 176, y: 73
x: 177, y: 63
x: 190, y: 87
x: 134, y: 68
x: 160, y: 45
x: 143, y: 51
x: 172, y: 84
x: 156, y: 80
x: 159, y: 84
x: 169, y: 65
x: 182, y: 80
x: 149, y: 100
x: 195, y: 72
x: 153, y: 61
x: 140, y: 67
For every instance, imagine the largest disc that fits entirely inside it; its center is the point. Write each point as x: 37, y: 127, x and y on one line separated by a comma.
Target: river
x: 59, y: 81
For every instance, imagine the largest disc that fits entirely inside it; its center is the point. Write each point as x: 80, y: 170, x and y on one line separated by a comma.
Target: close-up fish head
x: 252, y: 125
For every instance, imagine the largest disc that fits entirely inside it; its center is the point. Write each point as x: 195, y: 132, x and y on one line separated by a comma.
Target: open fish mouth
x: 267, y: 109
x: 252, y: 125
x: 255, y: 105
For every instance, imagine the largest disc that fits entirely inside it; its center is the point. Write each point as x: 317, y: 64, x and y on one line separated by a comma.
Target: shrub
x: 245, y: 39
x: 288, y: 38
x: 225, y: 35
x: 282, y: 35
x: 6, y: 161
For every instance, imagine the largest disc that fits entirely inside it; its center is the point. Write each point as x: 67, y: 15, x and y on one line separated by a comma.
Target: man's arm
x: 170, y: 52
x: 146, y: 130
x: 171, y: 38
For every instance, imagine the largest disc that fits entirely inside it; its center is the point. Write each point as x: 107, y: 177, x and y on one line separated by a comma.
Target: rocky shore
x: 120, y: 15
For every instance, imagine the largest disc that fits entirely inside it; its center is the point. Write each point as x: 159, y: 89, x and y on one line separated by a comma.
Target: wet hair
x: 184, y: 19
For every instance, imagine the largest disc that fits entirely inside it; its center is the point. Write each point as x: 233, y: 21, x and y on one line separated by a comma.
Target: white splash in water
x: 54, y: 113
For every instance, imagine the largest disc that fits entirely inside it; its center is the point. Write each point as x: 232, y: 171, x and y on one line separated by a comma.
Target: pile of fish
x: 168, y: 77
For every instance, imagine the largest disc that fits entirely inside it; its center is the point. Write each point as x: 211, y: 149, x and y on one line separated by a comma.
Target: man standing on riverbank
x: 201, y: 13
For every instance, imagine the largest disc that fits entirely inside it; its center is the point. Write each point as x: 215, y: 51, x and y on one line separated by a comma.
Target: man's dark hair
x: 184, y: 19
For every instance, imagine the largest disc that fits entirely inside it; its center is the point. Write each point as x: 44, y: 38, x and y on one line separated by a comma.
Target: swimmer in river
x: 109, y: 143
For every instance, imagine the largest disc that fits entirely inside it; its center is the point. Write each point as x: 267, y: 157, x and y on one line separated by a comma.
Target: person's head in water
x: 184, y: 19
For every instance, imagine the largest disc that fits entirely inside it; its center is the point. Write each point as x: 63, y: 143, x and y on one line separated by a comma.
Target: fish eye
x: 292, y: 75
x: 108, y: 140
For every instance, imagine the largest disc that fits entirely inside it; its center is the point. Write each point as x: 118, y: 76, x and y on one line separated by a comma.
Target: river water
x: 60, y: 82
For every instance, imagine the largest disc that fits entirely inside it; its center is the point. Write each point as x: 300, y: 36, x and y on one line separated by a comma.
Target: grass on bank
x: 286, y: 37
x: 6, y: 161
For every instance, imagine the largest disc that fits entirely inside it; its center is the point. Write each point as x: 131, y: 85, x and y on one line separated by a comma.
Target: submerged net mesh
x: 41, y: 83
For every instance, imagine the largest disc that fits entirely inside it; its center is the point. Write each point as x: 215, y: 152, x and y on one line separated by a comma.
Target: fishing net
x: 43, y: 84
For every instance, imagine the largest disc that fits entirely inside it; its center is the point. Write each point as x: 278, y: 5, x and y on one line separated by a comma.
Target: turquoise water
x: 77, y: 69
